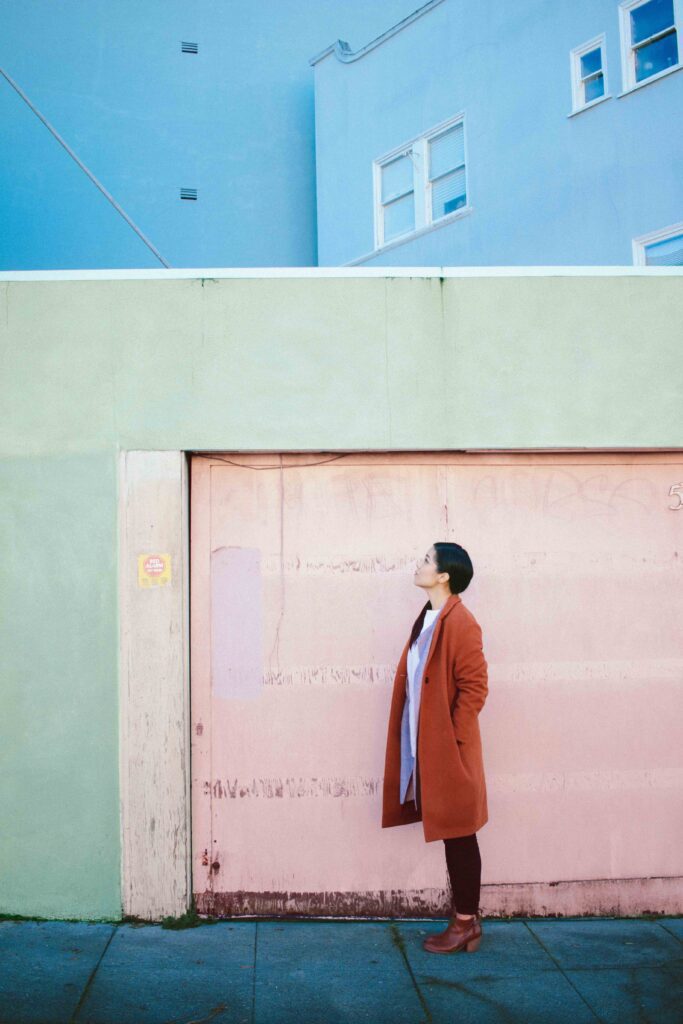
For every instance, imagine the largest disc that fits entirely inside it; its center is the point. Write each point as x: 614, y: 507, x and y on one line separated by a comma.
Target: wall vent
x: 189, y: 47
x: 188, y: 193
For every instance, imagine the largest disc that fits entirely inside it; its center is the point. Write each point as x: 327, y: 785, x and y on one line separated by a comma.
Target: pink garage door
x: 301, y: 600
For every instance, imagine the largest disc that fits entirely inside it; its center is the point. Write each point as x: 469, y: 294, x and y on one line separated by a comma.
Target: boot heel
x: 473, y: 945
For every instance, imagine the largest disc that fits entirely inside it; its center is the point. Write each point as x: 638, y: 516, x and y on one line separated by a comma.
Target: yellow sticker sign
x: 154, y: 570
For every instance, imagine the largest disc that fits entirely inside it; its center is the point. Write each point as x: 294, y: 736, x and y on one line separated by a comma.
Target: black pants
x: 463, y: 861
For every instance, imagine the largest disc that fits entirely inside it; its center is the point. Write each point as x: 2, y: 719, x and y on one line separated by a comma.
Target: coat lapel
x: 446, y: 610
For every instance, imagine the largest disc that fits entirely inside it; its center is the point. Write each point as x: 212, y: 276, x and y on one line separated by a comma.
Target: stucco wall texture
x: 348, y: 363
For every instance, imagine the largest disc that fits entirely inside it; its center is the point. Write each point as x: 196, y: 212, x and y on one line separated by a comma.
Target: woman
x: 434, y: 770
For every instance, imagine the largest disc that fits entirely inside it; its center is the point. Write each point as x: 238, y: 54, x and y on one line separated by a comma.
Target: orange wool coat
x: 450, y: 764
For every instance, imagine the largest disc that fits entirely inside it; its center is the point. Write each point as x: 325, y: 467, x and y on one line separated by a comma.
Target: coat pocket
x: 459, y: 740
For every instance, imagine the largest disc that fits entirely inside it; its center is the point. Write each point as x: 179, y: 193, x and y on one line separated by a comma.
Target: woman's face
x: 426, y: 571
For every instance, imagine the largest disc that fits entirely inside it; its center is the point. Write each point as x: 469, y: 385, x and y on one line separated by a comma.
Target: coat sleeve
x: 470, y: 671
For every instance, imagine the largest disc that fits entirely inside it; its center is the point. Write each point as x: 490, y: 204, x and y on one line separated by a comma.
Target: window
x: 422, y: 183
x: 447, y: 172
x: 660, y: 248
x: 588, y: 74
x: 649, y: 39
x: 398, y: 202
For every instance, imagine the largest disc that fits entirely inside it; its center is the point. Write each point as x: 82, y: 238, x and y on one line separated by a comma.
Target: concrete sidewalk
x: 283, y: 971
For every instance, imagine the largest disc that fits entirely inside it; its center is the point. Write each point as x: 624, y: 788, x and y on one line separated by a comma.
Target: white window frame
x: 628, y: 64
x: 575, y: 56
x: 429, y: 137
x: 641, y: 243
x: 418, y: 148
x: 406, y: 150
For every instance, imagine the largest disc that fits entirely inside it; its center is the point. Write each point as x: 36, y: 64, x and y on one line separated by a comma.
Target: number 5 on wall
x: 676, y: 489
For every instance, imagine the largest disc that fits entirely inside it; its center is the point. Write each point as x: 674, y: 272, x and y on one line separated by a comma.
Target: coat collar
x: 448, y: 607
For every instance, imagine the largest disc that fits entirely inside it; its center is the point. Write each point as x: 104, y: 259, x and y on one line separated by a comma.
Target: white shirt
x: 413, y: 660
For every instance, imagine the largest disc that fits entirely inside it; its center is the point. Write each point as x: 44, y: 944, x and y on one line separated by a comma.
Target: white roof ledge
x: 346, y: 55
x: 235, y: 273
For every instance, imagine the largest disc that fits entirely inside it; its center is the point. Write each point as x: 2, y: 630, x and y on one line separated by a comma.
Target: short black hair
x: 453, y: 559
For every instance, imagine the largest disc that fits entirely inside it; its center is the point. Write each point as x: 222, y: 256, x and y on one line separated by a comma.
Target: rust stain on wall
x: 618, y: 897
x: 279, y: 788
x: 323, y: 904
x: 331, y: 675
x: 274, y: 566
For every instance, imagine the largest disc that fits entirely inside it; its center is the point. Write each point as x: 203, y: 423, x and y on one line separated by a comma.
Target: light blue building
x: 206, y: 135
x: 525, y: 133
x: 162, y: 101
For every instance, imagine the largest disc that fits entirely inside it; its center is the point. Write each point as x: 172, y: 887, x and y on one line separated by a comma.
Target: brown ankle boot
x: 457, y: 935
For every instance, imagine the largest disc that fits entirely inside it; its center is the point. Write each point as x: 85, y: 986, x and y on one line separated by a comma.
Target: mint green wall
x: 59, y: 735
x: 362, y: 362
x: 357, y: 362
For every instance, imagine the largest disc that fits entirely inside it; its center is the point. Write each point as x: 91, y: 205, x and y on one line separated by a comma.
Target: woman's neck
x: 436, y: 603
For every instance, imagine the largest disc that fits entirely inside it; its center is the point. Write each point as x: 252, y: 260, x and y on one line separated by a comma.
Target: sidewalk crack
x: 253, y: 980
x: 399, y: 942
x: 563, y: 973
x: 79, y: 1004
